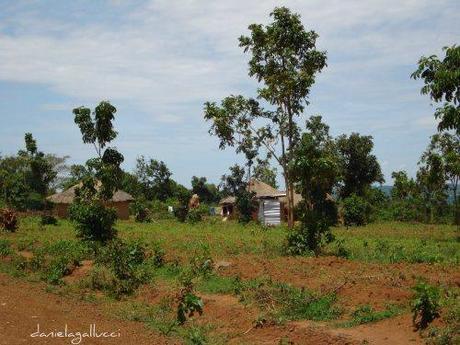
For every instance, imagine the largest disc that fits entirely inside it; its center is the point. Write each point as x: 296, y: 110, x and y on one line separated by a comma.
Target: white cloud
x: 168, y: 57
x: 168, y: 52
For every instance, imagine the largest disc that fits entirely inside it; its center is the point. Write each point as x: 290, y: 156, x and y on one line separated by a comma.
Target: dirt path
x: 25, y: 305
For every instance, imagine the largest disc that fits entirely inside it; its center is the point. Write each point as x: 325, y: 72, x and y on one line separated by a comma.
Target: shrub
x: 188, y: 302
x: 100, y: 278
x: 94, y: 221
x: 407, y: 210
x: 8, y: 220
x: 141, y: 212
x: 425, y: 304
x: 201, y: 262
x: 342, y: 251
x: 308, y: 237
x: 58, y: 259
x: 124, y: 260
x: 196, y: 215
x: 5, y: 248
x: 75, y: 250
x: 48, y: 220
x: 245, y: 206
x: 356, y: 210
x: 58, y: 268
x: 158, y: 256
x: 159, y: 209
x: 181, y: 212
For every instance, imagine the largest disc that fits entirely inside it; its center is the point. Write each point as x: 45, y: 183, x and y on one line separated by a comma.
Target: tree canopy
x: 359, y: 166
x: 442, y: 84
x: 284, y: 59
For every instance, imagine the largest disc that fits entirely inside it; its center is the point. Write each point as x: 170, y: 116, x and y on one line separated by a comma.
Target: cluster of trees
x: 335, y: 176
x: 426, y: 197
x: 285, y: 61
x: 28, y: 177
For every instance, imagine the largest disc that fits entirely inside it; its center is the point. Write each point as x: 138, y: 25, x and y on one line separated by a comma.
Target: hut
x: 267, y: 200
x: 61, y: 202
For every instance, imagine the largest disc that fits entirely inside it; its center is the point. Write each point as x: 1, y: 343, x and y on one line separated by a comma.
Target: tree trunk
x: 290, y: 209
x: 456, y: 210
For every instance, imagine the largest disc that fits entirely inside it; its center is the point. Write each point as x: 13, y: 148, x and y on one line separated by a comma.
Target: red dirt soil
x: 24, y: 305
x: 355, y: 282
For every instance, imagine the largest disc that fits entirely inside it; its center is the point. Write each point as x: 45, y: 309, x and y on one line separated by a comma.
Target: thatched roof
x: 67, y: 196
x: 227, y: 200
x: 261, y: 189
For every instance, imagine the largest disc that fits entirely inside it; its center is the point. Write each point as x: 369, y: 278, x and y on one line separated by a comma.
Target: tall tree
x: 315, y: 170
x: 103, y: 174
x: 265, y: 173
x: 431, y: 181
x: 60, y: 168
x: 359, y: 166
x: 235, y: 184
x: 154, y: 178
x: 13, y: 188
x: 446, y: 148
x: 207, y: 192
x: 403, y: 186
x: 284, y: 59
x: 40, y: 173
x: 98, y: 131
x: 442, y: 84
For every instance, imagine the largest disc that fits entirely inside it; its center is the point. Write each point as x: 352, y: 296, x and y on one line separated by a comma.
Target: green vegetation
x: 94, y: 220
x: 172, y: 254
x: 366, y: 314
x: 425, y: 304
x: 334, y: 177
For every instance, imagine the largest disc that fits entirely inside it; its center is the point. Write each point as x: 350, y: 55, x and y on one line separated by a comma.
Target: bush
x: 245, y: 206
x: 5, y: 248
x: 158, y: 256
x: 181, y: 212
x: 356, y: 210
x: 196, y: 215
x: 140, y: 211
x: 48, y: 220
x: 309, y: 236
x: 124, y: 260
x: 8, y: 220
x: 201, y: 262
x: 94, y: 221
x: 159, y: 209
x: 425, y: 304
x: 100, y: 278
x: 188, y: 302
x: 58, y: 268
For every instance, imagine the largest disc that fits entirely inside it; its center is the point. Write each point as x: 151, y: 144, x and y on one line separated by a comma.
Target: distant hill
x: 387, y: 190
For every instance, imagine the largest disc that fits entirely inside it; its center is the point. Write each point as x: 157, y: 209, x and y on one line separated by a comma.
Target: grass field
x: 365, y: 276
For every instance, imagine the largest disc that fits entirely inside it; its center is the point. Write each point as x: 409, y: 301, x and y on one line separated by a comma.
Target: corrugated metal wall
x: 270, y: 212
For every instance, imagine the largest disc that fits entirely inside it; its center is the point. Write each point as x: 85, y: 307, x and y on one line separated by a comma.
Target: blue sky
x: 159, y: 61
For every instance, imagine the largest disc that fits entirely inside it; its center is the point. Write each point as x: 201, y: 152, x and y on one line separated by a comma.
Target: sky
x: 159, y: 61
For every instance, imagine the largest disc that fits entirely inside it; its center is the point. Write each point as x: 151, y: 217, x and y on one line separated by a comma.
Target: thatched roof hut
x: 262, y: 190
x: 120, y: 201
